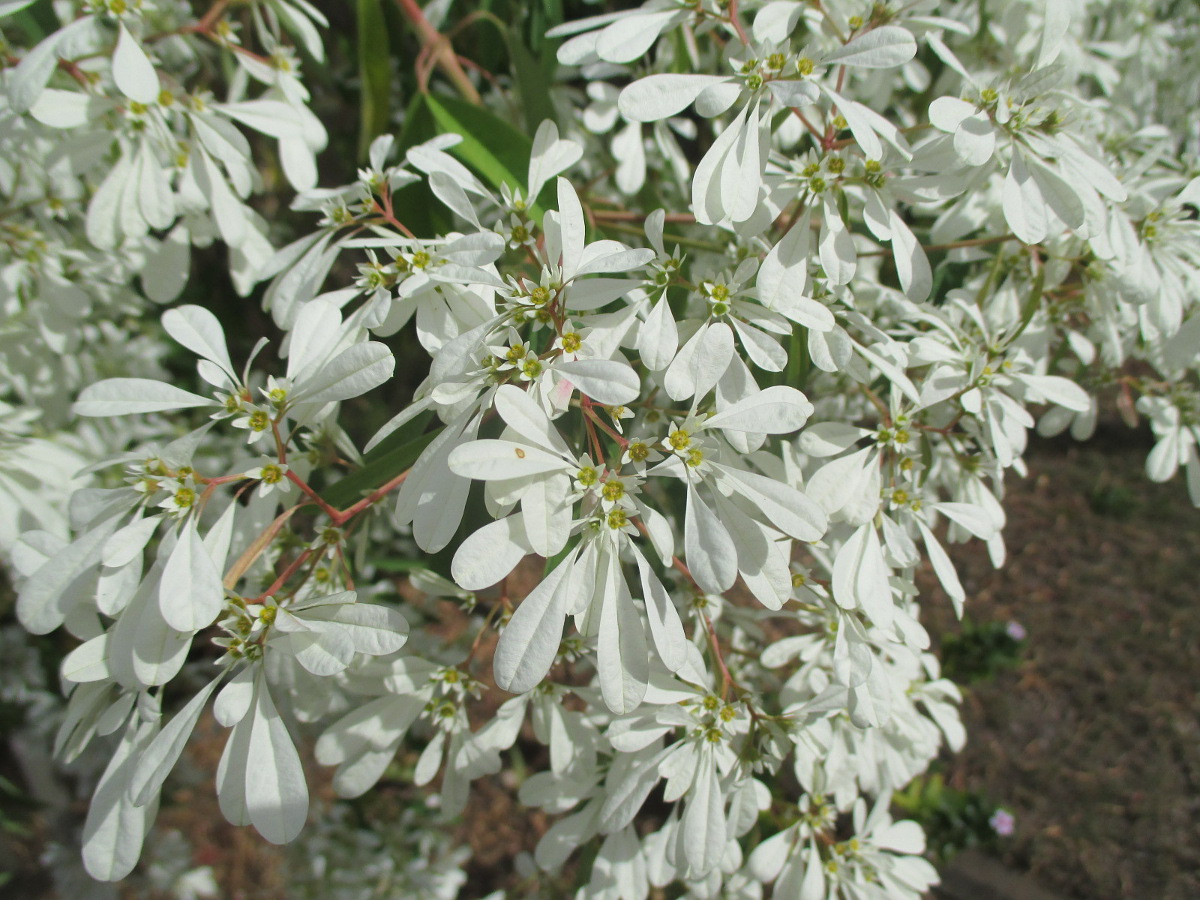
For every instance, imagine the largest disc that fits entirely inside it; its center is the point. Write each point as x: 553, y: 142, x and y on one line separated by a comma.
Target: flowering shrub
x: 757, y: 320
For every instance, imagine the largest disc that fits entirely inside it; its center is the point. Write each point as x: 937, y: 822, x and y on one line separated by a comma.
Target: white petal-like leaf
x: 352, y: 372
x: 879, y: 48
x: 191, y: 594
x: 276, y: 791
x: 529, y: 643
x: 775, y: 410
x: 126, y: 396
x: 662, y: 96
x: 606, y: 381
x: 132, y: 69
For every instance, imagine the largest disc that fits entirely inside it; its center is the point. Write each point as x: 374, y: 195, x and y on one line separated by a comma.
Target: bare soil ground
x: 1094, y: 741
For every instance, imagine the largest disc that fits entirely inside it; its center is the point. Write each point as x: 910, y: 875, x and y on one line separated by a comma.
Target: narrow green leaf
x: 494, y: 149
x: 374, y: 71
x: 414, y: 203
x: 533, y: 76
x: 395, y: 454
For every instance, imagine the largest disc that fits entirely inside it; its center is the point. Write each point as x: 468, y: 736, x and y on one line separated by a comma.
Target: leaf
x: 496, y: 460
x: 390, y: 458
x: 533, y: 77
x: 497, y: 152
x: 126, y: 396
x: 276, y: 792
x: 658, y: 338
x: 30, y: 75
x: 374, y: 72
x: 622, y: 663
x: 779, y: 504
x: 606, y: 381
x: 774, y: 410
x: 190, y: 595
x: 88, y: 661
x: 666, y: 628
x: 943, y: 568
x: 521, y: 413
x: 352, y: 372
x: 710, y: 552
x: 274, y: 118
x: 529, y: 643
x: 912, y: 266
x: 1059, y: 390
x: 372, y: 628
x: 163, y: 752
x: 132, y: 70
x: 114, y: 829
x: 662, y: 96
x: 703, y: 820
x: 879, y: 48
x: 198, y: 330
x: 1024, y: 208
x: 490, y: 553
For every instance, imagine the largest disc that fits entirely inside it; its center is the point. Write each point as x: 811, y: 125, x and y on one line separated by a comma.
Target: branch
x: 436, y: 44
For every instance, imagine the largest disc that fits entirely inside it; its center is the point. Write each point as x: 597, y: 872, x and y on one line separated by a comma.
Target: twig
x: 440, y: 50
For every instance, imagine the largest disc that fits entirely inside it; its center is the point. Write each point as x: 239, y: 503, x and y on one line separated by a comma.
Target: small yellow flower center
x: 571, y: 342
x: 617, y: 519
x: 639, y: 451
x: 613, y: 490
x: 679, y: 439
x: 587, y: 476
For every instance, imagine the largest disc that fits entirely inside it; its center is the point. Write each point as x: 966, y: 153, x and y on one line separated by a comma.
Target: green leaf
x: 386, y: 564
x: 496, y: 151
x: 414, y: 203
x: 533, y: 76
x: 374, y: 72
x: 396, y: 453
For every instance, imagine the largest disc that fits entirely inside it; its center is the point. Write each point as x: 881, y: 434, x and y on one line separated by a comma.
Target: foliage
x: 953, y: 820
x: 699, y: 325
x: 981, y: 651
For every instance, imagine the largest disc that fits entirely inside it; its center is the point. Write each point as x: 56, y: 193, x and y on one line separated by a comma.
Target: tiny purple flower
x: 1016, y: 631
x: 1002, y: 822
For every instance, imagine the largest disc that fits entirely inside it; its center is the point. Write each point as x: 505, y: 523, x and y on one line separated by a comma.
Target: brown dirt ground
x: 1094, y: 741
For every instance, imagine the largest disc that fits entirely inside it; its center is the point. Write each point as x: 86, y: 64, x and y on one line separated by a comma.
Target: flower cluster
x: 690, y: 425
